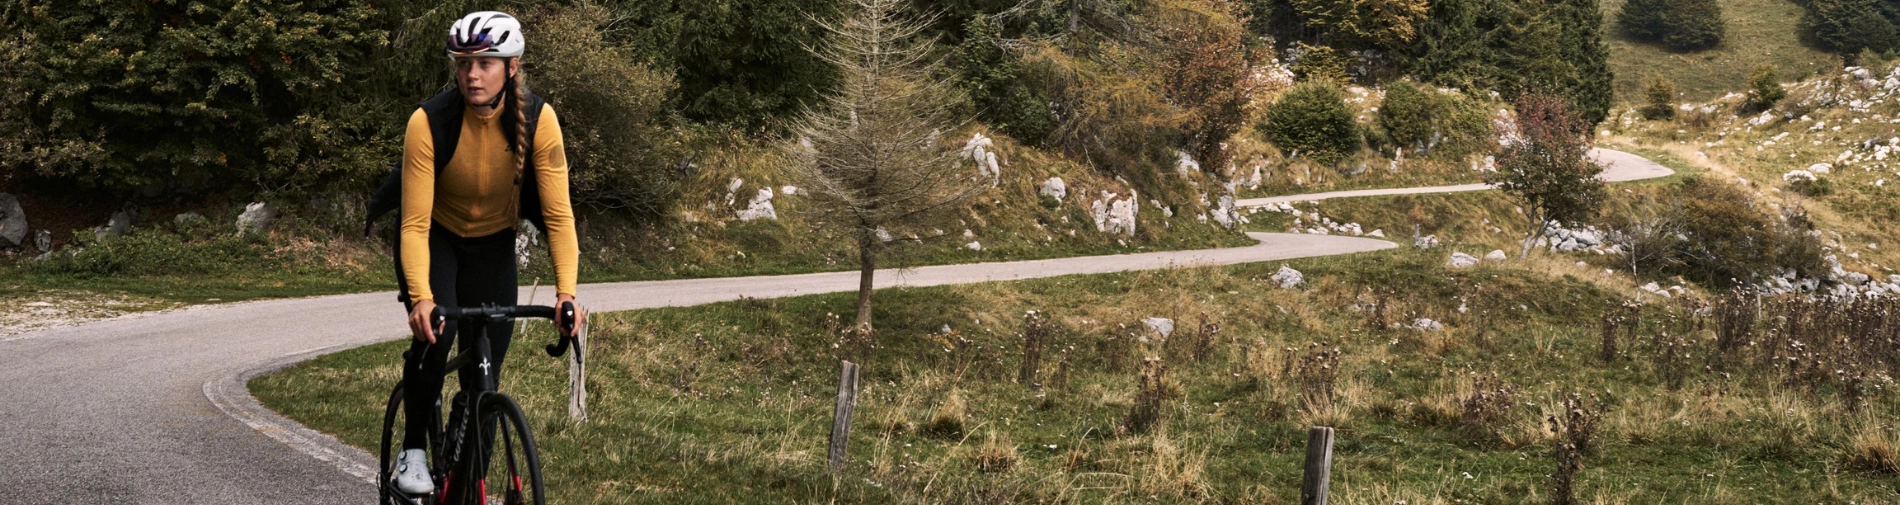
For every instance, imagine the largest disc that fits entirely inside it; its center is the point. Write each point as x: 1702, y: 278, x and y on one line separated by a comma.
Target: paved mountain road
x: 151, y: 409
x: 1618, y: 166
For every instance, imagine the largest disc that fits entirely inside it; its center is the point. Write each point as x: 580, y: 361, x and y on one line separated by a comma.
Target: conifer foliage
x: 1312, y: 120
x: 872, y: 155
x: 1682, y: 25
x: 1660, y: 94
x: 133, y: 94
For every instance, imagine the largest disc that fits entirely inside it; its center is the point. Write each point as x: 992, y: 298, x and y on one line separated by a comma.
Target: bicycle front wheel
x: 507, y: 468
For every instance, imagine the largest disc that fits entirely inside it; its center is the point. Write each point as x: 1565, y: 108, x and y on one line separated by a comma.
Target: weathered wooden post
x: 841, y: 415
x: 1319, y: 464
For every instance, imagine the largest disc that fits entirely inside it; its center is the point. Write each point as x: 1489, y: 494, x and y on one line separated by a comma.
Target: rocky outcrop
x: 13, y: 228
x: 256, y: 219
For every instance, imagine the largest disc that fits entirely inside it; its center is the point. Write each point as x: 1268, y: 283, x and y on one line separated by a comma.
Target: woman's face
x: 482, y: 77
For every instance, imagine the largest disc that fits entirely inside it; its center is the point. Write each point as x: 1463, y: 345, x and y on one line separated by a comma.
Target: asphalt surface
x: 151, y: 409
x: 1618, y: 166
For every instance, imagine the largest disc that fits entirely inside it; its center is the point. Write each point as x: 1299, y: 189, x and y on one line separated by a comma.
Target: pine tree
x: 1764, y: 87
x: 1682, y: 25
x: 1312, y: 119
x: 1660, y: 95
x: 873, y: 157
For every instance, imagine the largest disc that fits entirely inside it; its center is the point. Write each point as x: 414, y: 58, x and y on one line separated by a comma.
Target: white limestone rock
x: 256, y: 218
x: 760, y: 207
x: 1055, y: 188
x: 1159, y: 326
x: 1461, y: 260
x: 1115, y: 215
x: 1427, y: 325
x: 1495, y: 255
x: 1288, y: 278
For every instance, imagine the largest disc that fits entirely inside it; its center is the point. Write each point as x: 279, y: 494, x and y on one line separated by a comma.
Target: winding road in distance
x: 152, y: 408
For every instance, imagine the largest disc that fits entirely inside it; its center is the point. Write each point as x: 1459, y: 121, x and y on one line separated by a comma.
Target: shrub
x: 1465, y: 127
x: 1717, y: 235
x: 1660, y: 94
x: 1312, y: 119
x: 1407, y: 114
x: 1682, y: 25
x: 1116, y: 122
x: 1207, y: 73
x: 1847, y: 27
x: 1427, y: 122
x: 1000, y: 86
x: 251, y: 94
x: 738, y: 62
x: 1381, y: 24
x: 616, y: 150
x: 1317, y: 63
x: 1764, y: 88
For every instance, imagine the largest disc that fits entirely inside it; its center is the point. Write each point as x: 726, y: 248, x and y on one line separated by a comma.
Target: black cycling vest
x: 444, y: 112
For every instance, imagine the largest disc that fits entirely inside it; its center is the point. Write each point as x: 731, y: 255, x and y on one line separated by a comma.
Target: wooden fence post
x: 841, y: 415
x: 1319, y: 464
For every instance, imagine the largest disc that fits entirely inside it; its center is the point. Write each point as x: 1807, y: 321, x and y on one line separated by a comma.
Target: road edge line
x: 230, y: 393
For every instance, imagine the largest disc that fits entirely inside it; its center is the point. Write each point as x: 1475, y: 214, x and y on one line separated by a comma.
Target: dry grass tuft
x: 1873, y: 447
x: 949, y: 419
x: 996, y: 455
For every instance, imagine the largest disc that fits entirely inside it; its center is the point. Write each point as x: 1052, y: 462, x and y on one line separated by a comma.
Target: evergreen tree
x: 1764, y: 87
x: 873, y: 159
x: 1660, y: 95
x: 1313, y: 120
x: 997, y: 83
x: 1513, y: 47
x: 1682, y: 25
x: 1847, y: 27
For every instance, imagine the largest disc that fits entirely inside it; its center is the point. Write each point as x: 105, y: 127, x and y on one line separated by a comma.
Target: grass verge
x: 730, y: 402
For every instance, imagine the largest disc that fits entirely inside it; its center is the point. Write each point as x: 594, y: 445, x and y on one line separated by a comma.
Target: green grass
x: 731, y: 402
x: 1759, y: 31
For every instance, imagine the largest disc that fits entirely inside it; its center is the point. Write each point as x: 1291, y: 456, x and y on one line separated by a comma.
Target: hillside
x: 1759, y: 31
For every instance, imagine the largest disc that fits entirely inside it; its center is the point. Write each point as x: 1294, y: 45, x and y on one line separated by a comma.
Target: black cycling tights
x: 463, y: 272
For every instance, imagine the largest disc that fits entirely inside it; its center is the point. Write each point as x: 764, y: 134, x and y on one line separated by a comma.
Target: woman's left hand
x: 580, y: 314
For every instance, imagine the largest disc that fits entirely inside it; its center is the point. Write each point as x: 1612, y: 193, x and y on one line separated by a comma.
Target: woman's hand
x: 580, y: 315
x: 419, y: 323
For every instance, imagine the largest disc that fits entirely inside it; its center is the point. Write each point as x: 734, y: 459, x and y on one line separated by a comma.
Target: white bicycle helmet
x: 486, y: 33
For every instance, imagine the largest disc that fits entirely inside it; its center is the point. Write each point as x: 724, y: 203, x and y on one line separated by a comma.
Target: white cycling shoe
x: 412, y: 472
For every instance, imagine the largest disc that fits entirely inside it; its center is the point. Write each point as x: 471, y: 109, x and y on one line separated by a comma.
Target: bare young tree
x: 873, y: 154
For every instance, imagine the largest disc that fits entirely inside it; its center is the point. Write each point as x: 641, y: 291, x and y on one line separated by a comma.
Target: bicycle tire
x: 386, y: 473
x: 516, y: 468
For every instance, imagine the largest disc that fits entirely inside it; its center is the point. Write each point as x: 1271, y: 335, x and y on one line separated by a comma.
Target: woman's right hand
x: 419, y: 323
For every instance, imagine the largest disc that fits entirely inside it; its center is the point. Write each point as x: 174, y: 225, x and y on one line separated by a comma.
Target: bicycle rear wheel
x: 506, y: 469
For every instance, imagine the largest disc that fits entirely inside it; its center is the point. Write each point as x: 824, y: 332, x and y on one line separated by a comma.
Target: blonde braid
x: 520, y: 91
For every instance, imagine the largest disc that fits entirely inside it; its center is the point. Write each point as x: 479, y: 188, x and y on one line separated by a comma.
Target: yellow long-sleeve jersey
x: 470, y: 198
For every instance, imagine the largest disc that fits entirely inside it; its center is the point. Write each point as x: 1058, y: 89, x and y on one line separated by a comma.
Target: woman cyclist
x: 459, y: 215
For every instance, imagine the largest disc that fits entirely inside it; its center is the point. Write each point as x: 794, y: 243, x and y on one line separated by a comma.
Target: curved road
x: 152, y: 409
x: 1618, y: 166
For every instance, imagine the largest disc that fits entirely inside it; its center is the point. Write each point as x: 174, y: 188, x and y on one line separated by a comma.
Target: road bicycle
x: 462, y: 460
